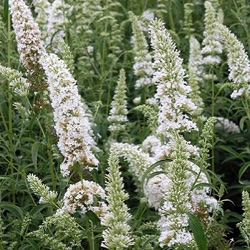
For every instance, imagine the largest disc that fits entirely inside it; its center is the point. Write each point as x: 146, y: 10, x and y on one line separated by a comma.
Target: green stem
x: 170, y: 16
x: 90, y: 234
x: 51, y: 165
x: 10, y: 114
x: 212, y: 115
x: 246, y: 107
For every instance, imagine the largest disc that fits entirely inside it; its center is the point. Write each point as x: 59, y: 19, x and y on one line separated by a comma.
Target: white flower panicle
x: 172, y: 90
x: 138, y: 160
x: 212, y: 47
x: 118, y: 113
x: 180, y: 197
x: 72, y: 123
x: 55, y: 27
x: 226, y: 125
x: 20, y: 86
x: 84, y: 196
x: 43, y: 191
x: 117, y: 235
x: 9, y: 73
x: 238, y: 62
x: 195, y: 74
x: 28, y: 36
x: 143, y: 61
x: 244, y: 225
x: 144, y: 20
x: 42, y: 8
x: 155, y: 188
x: 195, y: 58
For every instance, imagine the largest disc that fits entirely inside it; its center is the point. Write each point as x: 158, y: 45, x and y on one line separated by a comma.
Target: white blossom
x: 212, y: 46
x: 226, y: 125
x: 238, y: 62
x: 118, y: 112
x: 172, y: 90
x: 72, y: 123
x: 43, y: 191
x: 143, y: 61
x: 117, y: 235
x: 84, y: 196
x: 28, y: 36
x: 56, y: 25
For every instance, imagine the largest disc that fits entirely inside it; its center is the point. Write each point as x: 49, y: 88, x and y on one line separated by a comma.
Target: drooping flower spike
x: 72, y: 123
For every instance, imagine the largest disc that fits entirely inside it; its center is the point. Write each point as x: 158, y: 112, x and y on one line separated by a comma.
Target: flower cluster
x: 42, y: 8
x: 138, y: 160
x: 212, y: 38
x: 143, y: 61
x: 72, y: 123
x: 172, y: 91
x: 226, y: 125
x: 117, y: 235
x: 181, y: 197
x: 36, y: 185
x: 55, y: 27
x: 244, y: 225
x: 195, y: 73
x: 82, y: 197
x: 238, y: 62
x: 28, y: 36
x: 118, y: 112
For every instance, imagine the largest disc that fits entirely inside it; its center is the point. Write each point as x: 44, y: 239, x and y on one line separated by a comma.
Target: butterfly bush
x: 195, y: 74
x: 118, y: 113
x: 28, y: 36
x: 175, y: 108
x: 226, y: 125
x: 244, y: 225
x: 238, y: 62
x: 180, y: 197
x: 72, y: 123
x: 55, y: 29
x: 117, y: 235
x: 212, y: 47
x: 42, y: 8
x: 38, y: 188
x: 84, y: 196
x: 172, y: 90
x: 143, y: 61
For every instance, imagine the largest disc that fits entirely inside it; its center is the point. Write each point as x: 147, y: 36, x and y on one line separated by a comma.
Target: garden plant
x: 125, y: 124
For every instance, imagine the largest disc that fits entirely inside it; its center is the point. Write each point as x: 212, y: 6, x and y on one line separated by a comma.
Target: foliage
x: 124, y: 124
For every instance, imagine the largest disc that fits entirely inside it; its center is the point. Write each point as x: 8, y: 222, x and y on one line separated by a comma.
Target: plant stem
x: 51, y: 165
x: 212, y: 115
x: 10, y: 115
x: 90, y: 235
x: 170, y: 16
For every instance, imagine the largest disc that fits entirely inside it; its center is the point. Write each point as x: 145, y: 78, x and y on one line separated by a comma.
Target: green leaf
x: 230, y: 151
x: 198, y: 231
x: 243, y: 120
x: 205, y: 184
x: 13, y: 209
x: 214, y: 176
x: 150, y: 169
x: 243, y: 169
x: 34, y: 153
x: 5, y: 10
x: 93, y: 217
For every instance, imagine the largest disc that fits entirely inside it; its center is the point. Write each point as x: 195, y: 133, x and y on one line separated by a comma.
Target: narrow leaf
x: 151, y: 168
x: 198, y: 231
x: 243, y: 169
x: 34, y: 153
